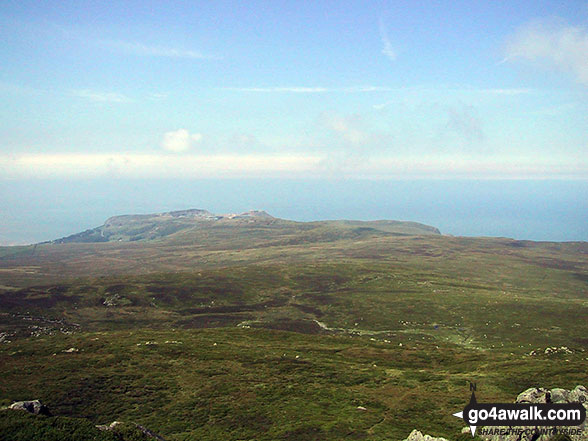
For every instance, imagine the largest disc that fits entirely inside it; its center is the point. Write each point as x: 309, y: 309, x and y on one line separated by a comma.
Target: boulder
x: 541, y: 395
x: 579, y: 395
x: 560, y: 396
x: 415, y: 435
x: 34, y: 406
x: 534, y: 395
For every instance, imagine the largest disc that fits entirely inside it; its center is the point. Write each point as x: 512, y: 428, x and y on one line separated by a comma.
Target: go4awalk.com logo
x: 512, y: 415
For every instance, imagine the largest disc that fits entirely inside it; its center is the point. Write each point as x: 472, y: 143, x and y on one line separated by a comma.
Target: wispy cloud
x: 388, y: 48
x: 135, y: 165
x: 510, y: 92
x: 180, y: 140
x: 101, y: 97
x: 144, y: 50
x: 139, y: 165
x: 311, y: 89
x: 377, y: 89
x: 348, y: 128
x: 465, y: 91
x: 157, y: 96
x: 280, y: 89
x: 555, y: 44
x: 381, y: 106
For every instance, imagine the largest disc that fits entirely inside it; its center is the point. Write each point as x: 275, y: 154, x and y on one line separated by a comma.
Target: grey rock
x: 415, y: 435
x: 579, y: 395
x: 560, y: 396
x: 534, y: 395
x: 33, y: 406
x: 112, y: 427
x: 541, y: 395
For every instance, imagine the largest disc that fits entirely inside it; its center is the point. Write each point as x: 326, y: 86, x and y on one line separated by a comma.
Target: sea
x: 32, y: 211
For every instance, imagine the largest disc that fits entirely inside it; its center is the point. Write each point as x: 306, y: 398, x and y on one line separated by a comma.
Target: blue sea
x: 33, y: 211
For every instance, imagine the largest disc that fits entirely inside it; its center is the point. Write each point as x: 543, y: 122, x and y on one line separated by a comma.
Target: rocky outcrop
x: 541, y: 395
x: 415, y: 435
x: 34, y: 406
x: 118, y: 426
x: 131, y: 431
x: 146, y: 227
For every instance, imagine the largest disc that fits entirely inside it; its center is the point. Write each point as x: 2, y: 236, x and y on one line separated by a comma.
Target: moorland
x: 250, y: 327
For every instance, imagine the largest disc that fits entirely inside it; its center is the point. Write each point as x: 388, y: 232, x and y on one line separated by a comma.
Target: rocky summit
x: 188, y: 224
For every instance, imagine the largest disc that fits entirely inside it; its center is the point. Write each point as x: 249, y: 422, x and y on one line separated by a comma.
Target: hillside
x: 253, y: 327
x: 130, y: 228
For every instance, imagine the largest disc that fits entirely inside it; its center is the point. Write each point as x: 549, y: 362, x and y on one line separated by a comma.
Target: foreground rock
x: 123, y: 431
x: 33, y: 406
x: 415, y: 435
x: 118, y: 426
x: 541, y: 395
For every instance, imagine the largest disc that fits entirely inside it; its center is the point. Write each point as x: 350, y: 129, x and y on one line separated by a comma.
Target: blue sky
x: 139, y: 89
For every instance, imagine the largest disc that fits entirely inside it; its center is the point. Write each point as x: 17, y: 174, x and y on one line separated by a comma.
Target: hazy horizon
x: 535, y: 210
x: 316, y: 96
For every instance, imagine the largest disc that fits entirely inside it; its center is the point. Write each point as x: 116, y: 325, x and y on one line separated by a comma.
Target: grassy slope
x: 256, y: 384
x: 133, y: 228
x: 22, y: 426
x: 463, y: 309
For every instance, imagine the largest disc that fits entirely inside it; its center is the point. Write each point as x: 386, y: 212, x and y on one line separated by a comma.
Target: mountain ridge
x: 154, y: 226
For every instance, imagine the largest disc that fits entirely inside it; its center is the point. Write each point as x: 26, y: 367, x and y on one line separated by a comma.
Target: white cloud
x: 313, y: 89
x: 348, y: 128
x: 101, y: 97
x: 158, y: 96
x: 180, y: 140
x: 280, y: 89
x: 137, y: 165
x: 145, y: 166
x: 388, y: 48
x: 508, y: 92
x: 144, y: 50
x: 243, y: 140
x: 558, y: 45
x: 378, y: 89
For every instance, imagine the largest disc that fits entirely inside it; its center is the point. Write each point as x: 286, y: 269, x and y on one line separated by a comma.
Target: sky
x: 383, y: 90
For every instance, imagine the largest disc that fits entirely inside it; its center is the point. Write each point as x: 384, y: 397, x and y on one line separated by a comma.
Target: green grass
x: 21, y: 426
x: 398, y: 325
x: 375, y: 299
x: 258, y: 384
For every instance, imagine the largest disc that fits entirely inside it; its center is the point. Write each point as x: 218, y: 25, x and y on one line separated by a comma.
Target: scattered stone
x: 34, y: 406
x: 112, y: 427
x: 361, y: 408
x: 112, y: 300
x: 70, y: 350
x: 415, y: 435
x: 551, y: 351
